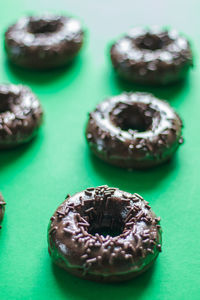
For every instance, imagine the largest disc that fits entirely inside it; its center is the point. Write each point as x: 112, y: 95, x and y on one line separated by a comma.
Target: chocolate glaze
x: 152, y: 56
x: 134, y: 130
x: 20, y: 115
x: 43, y: 42
x: 77, y: 245
x: 2, y: 208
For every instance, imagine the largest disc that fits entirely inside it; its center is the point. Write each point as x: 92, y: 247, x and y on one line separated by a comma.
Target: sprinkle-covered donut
x: 43, y: 42
x: 20, y: 115
x: 152, y: 56
x: 2, y: 208
x: 104, y: 234
x: 134, y: 130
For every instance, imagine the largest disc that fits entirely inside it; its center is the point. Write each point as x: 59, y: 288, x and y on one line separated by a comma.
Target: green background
x: 35, y: 178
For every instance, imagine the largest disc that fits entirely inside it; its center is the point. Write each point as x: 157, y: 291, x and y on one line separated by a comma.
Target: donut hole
x: 4, y: 103
x: 106, y: 231
x: 134, y: 117
x: 152, y: 42
x: 40, y: 26
x: 107, y: 226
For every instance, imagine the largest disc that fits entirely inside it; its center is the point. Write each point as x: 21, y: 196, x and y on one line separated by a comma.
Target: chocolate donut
x: 20, y: 115
x: 2, y: 208
x: 43, y: 42
x: 134, y: 130
x: 104, y: 234
x: 152, y: 56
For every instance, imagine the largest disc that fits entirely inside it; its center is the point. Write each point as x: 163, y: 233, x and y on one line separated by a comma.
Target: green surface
x: 35, y: 178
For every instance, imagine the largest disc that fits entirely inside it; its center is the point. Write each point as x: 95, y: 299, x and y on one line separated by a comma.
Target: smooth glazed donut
x: 104, y: 234
x: 20, y: 115
x: 134, y: 130
x: 43, y: 42
x: 153, y: 56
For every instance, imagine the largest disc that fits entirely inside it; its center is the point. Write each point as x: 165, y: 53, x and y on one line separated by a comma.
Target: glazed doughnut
x: 2, y: 208
x: 153, y: 56
x: 134, y: 130
x: 104, y: 234
x: 43, y: 42
x: 20, y: 115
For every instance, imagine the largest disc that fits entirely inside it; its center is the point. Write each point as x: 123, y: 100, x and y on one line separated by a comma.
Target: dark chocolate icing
x: 2, y: 208
x: 20, y: 115
x: 43, y: 42
x: 77, y: 244
x: 134, y: 130
x: 152, y: 56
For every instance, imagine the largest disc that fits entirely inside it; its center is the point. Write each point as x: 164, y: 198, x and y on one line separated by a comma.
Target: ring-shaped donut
x: 20, y: 115
x: 153, y: 56
x: 44, y: 42
x: 2, y: 208
x: 104, y: 234
x: 134, y: 130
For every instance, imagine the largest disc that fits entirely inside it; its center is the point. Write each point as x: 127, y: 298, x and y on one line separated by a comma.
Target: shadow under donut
x: 168, y: 92
x: 41, y: 77
x: 9, y: 156
x: 82, y: 289
x: 131, y: 180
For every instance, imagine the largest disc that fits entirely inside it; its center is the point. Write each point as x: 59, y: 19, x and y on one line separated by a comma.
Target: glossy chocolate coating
x: 134, y: 130
x: 43, y: 42
x: 2, y: 208
x: 20, y: 115
x: 77, y: 245
x: 152, y: 56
